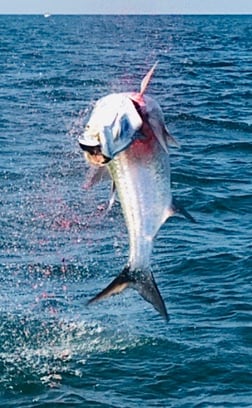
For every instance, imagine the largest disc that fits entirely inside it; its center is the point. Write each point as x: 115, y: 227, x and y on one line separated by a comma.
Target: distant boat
x: 46, y: 15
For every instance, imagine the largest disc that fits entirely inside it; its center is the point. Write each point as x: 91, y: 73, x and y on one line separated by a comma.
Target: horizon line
x: 123, y: 14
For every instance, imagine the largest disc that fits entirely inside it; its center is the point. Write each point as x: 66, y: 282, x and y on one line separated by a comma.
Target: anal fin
x: 178, y: 208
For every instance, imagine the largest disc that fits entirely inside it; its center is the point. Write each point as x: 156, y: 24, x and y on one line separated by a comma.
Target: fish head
x: 111, y: 128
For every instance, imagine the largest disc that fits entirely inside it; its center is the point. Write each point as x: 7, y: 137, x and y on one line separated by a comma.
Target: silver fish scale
x: 142, y: 181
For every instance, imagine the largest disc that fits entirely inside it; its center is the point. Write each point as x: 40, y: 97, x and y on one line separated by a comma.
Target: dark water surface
x: 57, y: 249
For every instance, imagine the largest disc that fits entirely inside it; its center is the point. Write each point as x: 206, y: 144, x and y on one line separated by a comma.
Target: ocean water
x: 58, y: 249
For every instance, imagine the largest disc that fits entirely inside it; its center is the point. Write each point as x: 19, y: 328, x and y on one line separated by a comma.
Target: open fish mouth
x: 94, y: 153
x: 90, y: 149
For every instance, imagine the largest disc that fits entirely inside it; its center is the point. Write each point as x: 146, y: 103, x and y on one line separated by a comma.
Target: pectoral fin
x: 112, y: 197
x: 95, y: 175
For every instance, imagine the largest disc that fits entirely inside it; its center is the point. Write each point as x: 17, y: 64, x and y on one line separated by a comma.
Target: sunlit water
x: 58, y: 249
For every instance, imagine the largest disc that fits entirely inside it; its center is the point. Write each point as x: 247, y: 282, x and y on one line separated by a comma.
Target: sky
x: 126, y: 6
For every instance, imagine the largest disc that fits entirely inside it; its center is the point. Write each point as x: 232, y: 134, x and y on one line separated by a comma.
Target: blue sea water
x: 58, y: 249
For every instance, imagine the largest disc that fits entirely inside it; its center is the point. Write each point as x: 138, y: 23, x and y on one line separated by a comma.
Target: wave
x: 202, y: 178
x: 40, y: 351
x: 209, y: 64
x: 241, y: 147
x: 223, y: 123
x: 57, y: 81
x: 240, y: 204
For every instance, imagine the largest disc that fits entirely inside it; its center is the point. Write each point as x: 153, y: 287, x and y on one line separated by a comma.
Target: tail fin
x: 143, y: 282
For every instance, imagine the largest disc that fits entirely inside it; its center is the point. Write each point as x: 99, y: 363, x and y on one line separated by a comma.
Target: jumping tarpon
x: 126, y: 135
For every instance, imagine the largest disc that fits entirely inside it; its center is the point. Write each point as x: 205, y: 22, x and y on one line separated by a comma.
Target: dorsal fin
x: 147, y: 78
